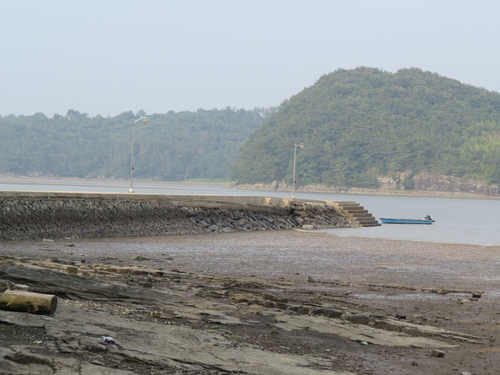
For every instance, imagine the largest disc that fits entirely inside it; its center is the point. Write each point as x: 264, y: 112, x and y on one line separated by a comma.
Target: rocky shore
x: 424, y: 185
x: 208, y: 304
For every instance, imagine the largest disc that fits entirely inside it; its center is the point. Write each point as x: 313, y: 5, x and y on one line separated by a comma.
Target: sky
x: 105, y: 57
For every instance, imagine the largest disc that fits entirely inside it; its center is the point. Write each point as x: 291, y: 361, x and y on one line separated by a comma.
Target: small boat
x: 386, y: 220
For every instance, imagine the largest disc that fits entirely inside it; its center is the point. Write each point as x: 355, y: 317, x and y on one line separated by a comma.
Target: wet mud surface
x: 443, y: 286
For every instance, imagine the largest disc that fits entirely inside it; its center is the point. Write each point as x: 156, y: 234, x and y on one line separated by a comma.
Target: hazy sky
x: 109, y: 56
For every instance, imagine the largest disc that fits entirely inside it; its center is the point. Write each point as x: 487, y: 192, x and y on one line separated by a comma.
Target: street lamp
x: 144, y: 121
x: 300, y: 145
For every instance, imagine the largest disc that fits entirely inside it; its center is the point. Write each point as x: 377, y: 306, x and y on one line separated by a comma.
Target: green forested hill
x: 172, y: 146
x: 362, y: 123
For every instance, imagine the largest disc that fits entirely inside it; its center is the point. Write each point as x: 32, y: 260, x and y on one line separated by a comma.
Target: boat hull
x: 386, y: 220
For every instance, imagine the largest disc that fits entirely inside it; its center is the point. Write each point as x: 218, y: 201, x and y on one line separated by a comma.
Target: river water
x: 461, y: 221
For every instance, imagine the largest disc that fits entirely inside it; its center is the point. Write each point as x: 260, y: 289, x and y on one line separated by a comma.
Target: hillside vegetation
x: 171, y: 147
x: 364, y: 123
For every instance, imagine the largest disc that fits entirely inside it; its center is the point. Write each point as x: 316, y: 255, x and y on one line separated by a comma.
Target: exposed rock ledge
x: 187, y: 324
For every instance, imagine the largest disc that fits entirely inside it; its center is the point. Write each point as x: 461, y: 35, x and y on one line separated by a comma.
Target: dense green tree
x: 361, y: 123
x: 172, y: 146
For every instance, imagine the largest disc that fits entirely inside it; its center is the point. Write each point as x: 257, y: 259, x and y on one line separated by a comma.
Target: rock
x: 19, y: 287
x: 138, y: 257
x: 146, y: 284
x: 4, y: 284
x: 92, y: 344
x: 61, y: 284
x: 124, y: 270
x: 72, y: 270
x: 303, y: 310
x: 437, y: 353
x: 307, y: 227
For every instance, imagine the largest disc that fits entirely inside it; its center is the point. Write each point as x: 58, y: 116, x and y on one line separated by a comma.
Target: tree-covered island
x: 362, y: 124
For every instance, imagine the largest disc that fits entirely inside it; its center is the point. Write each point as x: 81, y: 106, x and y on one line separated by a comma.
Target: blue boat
x: 386, y: 220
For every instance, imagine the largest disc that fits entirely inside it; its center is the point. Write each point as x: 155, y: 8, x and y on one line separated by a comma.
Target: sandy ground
x: 416, y: 281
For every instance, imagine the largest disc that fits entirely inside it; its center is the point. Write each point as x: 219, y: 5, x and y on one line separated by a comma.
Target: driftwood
x: 36, y: 303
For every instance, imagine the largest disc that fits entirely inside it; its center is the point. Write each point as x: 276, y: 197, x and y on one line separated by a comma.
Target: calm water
x: 467, y: 221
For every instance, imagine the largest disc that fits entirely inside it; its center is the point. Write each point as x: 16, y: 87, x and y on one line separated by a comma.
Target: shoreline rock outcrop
x: 424, y: 184
x: 191, y: 324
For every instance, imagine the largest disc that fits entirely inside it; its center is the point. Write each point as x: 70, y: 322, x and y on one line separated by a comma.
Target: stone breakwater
x: 36, y: 215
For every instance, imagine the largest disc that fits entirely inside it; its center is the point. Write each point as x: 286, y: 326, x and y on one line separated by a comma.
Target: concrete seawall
x: 51, y: 215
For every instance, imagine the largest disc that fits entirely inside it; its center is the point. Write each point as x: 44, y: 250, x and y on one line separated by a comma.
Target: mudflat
x: 275, y: 302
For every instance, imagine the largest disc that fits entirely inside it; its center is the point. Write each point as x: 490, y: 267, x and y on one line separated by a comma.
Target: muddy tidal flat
x: 276, y: 302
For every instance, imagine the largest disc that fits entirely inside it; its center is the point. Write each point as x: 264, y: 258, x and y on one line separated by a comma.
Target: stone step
x: 358, y: 214
x: 347, y: 206
x: 352, y: 207
x: 364, y: 216
x: 355, y: 211
x: 367, y: 221
x: 370, y: 225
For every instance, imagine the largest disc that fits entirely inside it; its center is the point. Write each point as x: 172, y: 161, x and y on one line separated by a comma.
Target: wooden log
x: 35, y: 303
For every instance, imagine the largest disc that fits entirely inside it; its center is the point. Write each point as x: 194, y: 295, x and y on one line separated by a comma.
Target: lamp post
x: 300, y: 145
x: 144, y: 121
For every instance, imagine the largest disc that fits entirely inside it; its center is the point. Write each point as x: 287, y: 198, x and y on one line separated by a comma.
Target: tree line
x: 171, y: 147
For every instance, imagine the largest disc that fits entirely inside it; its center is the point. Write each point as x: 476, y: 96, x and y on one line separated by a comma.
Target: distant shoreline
x: 24, y: 180
x: 384, y: 192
